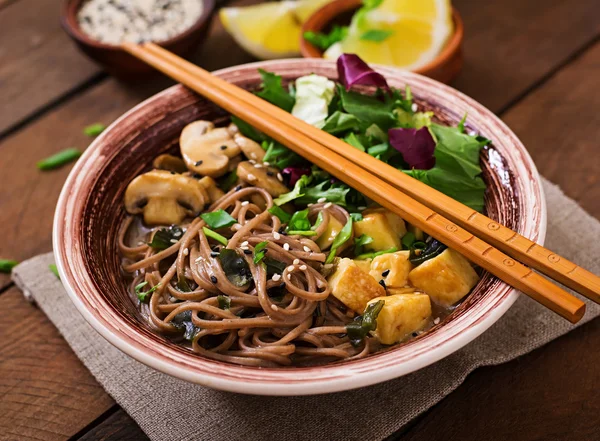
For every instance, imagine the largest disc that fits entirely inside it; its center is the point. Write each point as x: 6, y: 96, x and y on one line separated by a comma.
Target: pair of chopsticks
x: 478, y: 238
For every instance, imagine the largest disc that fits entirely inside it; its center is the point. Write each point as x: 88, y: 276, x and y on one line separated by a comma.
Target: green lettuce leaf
x: 274, y: 92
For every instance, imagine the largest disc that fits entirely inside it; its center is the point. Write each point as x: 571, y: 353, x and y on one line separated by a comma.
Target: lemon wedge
x: 402, y: 33
x: 269, y: 30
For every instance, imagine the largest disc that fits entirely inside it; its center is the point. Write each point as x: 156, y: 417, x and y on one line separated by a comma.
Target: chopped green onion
x: 224, y: 301
x: 376, y: 35
x: 260, y: 251
x: 6, y: 265
x: 94, y: 129
x: 378, y: 253
x: 408, y: 240
x: 361, y: 326
x: 218, y: 219
x: 342, y: 237
x: 214, y: 235
x: 301, y: 233
x: 356, y: 217
x: 54, y: 270
x: 144, y: 296
x: 280, y: 213
x: 361, y: 242
x: 59, y: 159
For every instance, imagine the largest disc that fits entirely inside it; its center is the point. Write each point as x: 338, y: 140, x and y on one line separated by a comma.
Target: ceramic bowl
x: 445, y: 67
x: 90, y: 210
x: 120, y: 63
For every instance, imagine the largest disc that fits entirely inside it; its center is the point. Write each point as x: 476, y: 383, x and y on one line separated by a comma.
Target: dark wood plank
x: 38, y: 62
x: 510, y: 45
x: 47, y: 394
x: 552, y: 393
x: 117, y: 427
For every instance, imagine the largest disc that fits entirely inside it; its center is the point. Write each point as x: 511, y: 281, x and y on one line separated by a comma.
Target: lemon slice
x: 415, y: 33
x: 269, y: 30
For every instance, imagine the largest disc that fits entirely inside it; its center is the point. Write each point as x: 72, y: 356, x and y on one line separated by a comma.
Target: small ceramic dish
x: 91, y: 209
x: 445, y: 67
x: 118, y: 62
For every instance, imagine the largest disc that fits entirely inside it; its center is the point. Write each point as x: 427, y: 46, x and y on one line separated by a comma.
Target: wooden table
x: 535, y: 63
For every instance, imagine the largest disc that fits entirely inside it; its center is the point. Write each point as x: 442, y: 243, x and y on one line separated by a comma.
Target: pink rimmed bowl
x: 90, y: 210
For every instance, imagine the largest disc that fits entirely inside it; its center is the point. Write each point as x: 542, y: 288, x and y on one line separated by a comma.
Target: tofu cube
x: 364, y: 265
x: 353, y: 286
x: 385, y: 227
x: 401, y: 315
x: 395, y: 266
x: 447, y: 278
x: 333, y: 228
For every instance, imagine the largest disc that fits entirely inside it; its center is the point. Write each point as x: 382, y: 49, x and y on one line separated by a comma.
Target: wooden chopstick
x: 434, y: 224
x: 501, y: 237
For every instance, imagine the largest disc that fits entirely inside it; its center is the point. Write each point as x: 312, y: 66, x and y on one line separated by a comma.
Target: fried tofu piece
x: 401, y: 315
x: 392, y: 268
x: 447, y: 278
x: 385, y: 227
x: 364, y: 265
x: 333, y: 228
x: 353, y: 286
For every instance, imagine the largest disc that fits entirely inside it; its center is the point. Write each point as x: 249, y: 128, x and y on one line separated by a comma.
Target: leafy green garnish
x: 183, y: 322
x: 226, y: 182
x: 408, y: 240
x: 299, y: 221
x: 259, y: 251
x: 54, y: 270
x: 362, y: 325
x: 376, y: 35
x: 301, y: 233
x: 214, y: 235
x: 369, y: 109
x: 280, y: 156
x: 342, y: 237
x: 274, y: 266
x: 339, y: 122
x: 144, y: 296
x: 296, y: 192
x: 408, y: 119
x: 334, y: 193
x: 247, y: 130
x: 420, y: 254
x: 274, y: 92
x: 165, y: 237
x: 356, y: 217
x: 183, y: 285
x: 235, y: 267
x: 59, y: 159
x: 224, y: 301
x: 94, y: 129
x: 325, y: 41
x: 280, y: 213
x: 355, y: 142
x: 375, y: 254
x: 360, y: 243
x: 218, y: 219
x: 6, y: 265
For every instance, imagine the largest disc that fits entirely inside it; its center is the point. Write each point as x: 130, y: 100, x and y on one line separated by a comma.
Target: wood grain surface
x: 533, y: 61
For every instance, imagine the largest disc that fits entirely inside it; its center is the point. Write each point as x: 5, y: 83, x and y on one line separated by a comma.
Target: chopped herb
x: 54, y: 270
x: 376, y: 35
x: 259, y: 251
x: 377, y: 253
x: 164, y: 237
x: 325, y: 41
x: 274, y: 266
x: 408, y: 240
x: 299, y: 221
x: 356, y: 217
x: 183, y: 285
x: 342, y: 237
x: 225, y: 183
x: 214, y: 279
x: 7, y: 265
x: 301, y: 233
x: 218, y: 219
x: 248, y: 252
x: 361, y: 326
x: 94, y: 129
x: 235, y: 267
x: 59, y: 159
x: 224, y: 301
x: 214, y: 235
x: 144, y: 296
x: 183, y: 322
x: 360, y: 243
x: 247, y: 130
x: 280, y: 213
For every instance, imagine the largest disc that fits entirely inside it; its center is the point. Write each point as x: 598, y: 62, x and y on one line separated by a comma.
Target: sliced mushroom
x: 169, y: 163
x: 206, y: 149
x: 165, y: 198
x: 211, y: 188
x: 264, y: 177
x: 251, y: 149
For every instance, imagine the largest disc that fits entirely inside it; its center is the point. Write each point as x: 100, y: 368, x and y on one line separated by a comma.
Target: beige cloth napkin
x: 170, y: 409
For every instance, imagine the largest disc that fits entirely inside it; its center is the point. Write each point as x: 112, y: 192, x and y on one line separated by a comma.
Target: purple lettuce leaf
x: 352, y: 71
x: 291, y: 175
x: 415, y: 145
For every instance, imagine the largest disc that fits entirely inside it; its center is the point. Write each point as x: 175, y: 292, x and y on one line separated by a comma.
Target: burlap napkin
x: 170, y: 409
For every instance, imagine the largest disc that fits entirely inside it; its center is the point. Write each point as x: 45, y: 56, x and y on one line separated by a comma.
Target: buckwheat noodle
x: 302, y: 324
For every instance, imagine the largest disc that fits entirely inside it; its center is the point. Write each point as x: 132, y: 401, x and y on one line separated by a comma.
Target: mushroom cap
x: 206, y: 149
x: 165, y: 198
x: 260, y: 176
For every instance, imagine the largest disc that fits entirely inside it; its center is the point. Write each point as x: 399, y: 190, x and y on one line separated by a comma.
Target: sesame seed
x: 280, y: 177
x: 385, y: 273
x: 436, y: 321
x: 274, y: 308
x: 177, y: 233
x: 252, y: 161
x: 286, y: 246
x: 245, y: 203
x: 186, y: 252
x: 172, y: 299
x: 270, y: 173
x: 473, y: 133
x: 247, y: 251
x: 414, y: 107
x: 266, y: 164
x: 321, y: 200
x: 328, y: 266
x: 309, y: 205
x: 198, y: 163
x: 303, y: 268
x: 361, y: 208
x: 223, y: 147
x: 251, y: 177
x: 244, y: 249
x: 320, y: 283
x: 307, y: 249
x: 212, y: 254
x: 245, y: 243
x: 238, y: 188
x: 296, y: 262
x: 253, y: 156
x: 289, y: 277
x: 173, y: 241
x: 276, y: 277
x: 327, y: 205
x: 382, y: 283
x: 291, y: 268
x: 258, y: 165
x: 213, y: 279
x: 276, y: 236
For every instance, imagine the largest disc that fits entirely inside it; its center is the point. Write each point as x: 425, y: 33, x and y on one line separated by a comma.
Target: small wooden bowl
x: 445, y: 67
x: 118, y: 62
